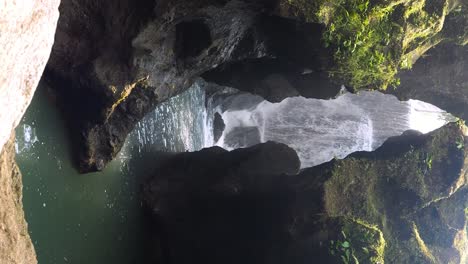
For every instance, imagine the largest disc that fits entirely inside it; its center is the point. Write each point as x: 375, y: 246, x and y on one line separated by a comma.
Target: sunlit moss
x: 379, y: 191
x: 125, y: 93
x: 422, y: 245
x: 373, y: 40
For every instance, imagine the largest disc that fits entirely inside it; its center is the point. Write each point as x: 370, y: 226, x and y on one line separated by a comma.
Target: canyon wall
x: 27, y: 31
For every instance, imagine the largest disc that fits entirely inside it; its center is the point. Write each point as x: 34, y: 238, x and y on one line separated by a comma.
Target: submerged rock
x: 15, y: 244
x: 405, y: 202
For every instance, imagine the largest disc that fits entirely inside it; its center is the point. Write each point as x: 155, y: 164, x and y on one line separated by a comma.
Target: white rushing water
x: 320, y: 130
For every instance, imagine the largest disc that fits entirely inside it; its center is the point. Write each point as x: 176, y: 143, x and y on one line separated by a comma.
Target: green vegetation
x: 359, y: 242
x: 373, y: 40
x: 396, y: 190
x: 460, y: 143
x: 343, y: 249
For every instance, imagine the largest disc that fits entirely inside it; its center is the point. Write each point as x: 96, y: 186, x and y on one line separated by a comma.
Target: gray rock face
x: 26, y: 36
x: 440, y: 79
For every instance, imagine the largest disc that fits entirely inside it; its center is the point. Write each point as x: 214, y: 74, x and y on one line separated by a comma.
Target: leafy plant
x: 428, y: 161
x: 358, y: 242
x: 343, y: 249
x: 460, y: 143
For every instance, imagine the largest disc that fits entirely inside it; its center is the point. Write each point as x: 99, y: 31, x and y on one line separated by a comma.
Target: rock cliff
x: 15, y: 245
x: 26, y: 36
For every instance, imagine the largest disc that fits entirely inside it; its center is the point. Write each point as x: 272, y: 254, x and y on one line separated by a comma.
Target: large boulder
x: 413, y: 189
x: 406, y: 202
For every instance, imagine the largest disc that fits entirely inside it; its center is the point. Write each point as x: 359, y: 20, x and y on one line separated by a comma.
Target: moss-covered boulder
x: 413, y: 189
x: 372, y: 39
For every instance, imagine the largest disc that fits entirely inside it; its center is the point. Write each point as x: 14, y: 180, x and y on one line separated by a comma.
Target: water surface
x: 98, y: 217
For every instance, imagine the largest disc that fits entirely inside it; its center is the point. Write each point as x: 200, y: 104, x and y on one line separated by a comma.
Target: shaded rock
x: 218, y: 126
x: 242, y: 137
x: 15, y: 244
x: 403, y: 203
x: 405, y: 188
x: 299, y: 67
x: 26, y: 36
x: 440, y: 79
x: 206, y: 215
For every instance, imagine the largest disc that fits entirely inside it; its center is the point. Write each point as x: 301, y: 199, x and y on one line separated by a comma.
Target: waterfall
x: 320, y: 130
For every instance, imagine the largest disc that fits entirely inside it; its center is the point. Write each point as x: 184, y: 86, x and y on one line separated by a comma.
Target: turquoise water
x: 97, y: 217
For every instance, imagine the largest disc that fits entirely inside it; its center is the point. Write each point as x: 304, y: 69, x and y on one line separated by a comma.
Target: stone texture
x: 440, y: 79
x: 15, y: 245
x: 27, y: 30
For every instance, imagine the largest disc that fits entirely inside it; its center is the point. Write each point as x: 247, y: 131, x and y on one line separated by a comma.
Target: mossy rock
x: 358, y: 242
x: 374, y: 39
x: 413, y: 189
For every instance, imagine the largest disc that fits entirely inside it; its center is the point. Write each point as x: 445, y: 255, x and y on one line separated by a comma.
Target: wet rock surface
x: 403, y: 203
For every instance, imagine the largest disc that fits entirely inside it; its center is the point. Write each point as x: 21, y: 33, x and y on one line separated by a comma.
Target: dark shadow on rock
x: 218, y: 126
x: 403, y: 203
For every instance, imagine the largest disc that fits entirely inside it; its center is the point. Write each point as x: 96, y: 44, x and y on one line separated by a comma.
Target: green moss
x: 358, y: 242
x: 373, y: 40
x: 124, y: 93
x: 423, y: 249
x: 391, y: 190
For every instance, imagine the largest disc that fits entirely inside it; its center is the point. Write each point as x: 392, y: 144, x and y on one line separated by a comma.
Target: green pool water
x: 97, y: 217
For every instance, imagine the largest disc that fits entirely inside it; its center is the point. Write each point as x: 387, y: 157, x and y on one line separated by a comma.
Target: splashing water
x: 320, y: 130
